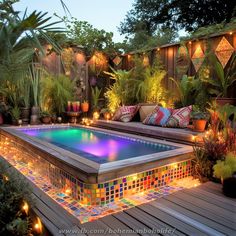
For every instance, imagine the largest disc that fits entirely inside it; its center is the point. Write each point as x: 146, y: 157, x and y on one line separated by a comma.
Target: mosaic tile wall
x: 96, y: 194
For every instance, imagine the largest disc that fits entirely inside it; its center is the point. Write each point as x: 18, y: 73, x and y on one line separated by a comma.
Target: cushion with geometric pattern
x: 179, y: 118
x: 159, y: 116
x: 125, y: 113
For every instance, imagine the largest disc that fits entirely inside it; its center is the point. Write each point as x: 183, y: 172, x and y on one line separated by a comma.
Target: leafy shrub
x: 225, y: 169
x: 56, y: 91
x: 12, y: 196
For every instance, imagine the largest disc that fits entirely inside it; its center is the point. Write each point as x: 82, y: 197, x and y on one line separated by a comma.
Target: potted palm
x: 25, y: 108
x: 35, y: 75
x: 15, y: 115
x: 96, y: 92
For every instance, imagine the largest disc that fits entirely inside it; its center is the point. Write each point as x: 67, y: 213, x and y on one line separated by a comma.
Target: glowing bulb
x: 68, y: 191
x: 190, y: 42
x: 5, y: 178
x: 231, y: 33
x: 25, y: 208
x: 96, y: 115
x: 38, y: 226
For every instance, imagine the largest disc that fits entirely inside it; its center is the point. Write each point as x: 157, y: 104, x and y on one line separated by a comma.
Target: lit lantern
x: 107, y: 116
x: 68, y: 191
x: 96, y: 115
x: 38, y: 226
x: 25, y: 208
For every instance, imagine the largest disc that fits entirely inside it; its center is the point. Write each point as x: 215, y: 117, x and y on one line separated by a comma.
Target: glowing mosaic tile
x: 145, y: 191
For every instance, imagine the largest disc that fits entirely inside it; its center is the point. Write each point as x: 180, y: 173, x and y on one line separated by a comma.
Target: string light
x: 38, y: 226
x: 25, y: 208
x: 231, y: 33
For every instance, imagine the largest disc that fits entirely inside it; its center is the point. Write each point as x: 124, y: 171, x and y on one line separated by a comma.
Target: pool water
x: 97, y: 146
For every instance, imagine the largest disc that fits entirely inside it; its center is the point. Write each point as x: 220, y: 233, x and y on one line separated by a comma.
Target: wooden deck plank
x: 202, y: 227
x: 98, y: 228
x: 117, y: 225
x: 212, y: 224
x: 168, y: 219
x: 216, y: 189
x: 212, y: 198
x: 199, y: 209
x: 225, y: 216
x: 151, y: 221
x: 132, y: 223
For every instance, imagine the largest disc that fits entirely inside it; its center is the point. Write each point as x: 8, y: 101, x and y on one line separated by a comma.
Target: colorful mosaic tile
x: 114, y: 196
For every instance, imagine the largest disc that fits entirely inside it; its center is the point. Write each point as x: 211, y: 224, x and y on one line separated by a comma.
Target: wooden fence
x: 178, y: 59
x: 223, y: 46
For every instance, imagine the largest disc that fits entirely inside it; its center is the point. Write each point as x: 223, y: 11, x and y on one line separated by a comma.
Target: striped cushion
x: 159, y: 116
x: 179, y: 117
x: 125, y: 113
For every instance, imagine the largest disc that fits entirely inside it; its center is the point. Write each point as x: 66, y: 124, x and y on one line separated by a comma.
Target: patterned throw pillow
x: 125, y: 113
x: 180, y: 117
x: 159, y: 116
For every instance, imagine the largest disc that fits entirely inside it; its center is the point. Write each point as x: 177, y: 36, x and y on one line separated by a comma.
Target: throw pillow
x: 159, y: 116
x: 180, y: 117
x: 125, y: 113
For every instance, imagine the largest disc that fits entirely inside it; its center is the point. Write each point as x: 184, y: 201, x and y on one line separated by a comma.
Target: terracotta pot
x: 223, y: 101
x: 199, y: 125
x: 85, y: 106
x: 46, y: 119
x: 1, y: 119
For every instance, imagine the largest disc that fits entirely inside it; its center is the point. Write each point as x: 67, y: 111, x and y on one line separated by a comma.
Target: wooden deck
x: 203, y: 210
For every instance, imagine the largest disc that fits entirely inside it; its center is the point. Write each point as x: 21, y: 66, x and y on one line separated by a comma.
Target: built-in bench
x: 178, y: 135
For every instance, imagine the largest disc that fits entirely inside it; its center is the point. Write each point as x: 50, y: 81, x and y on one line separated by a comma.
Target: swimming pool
x: 93, y: 165
x: 100, y: 147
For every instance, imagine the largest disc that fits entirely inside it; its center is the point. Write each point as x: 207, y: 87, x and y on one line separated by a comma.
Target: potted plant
x: 35, y: 75
x: 15, y: 115
x: 55, y: 92
x: 85, y: 106
x: 199, y: 119
x: 96, y: 92
x: 225, y: 170
x: 3, y: 109
x: 25, y: 99
x: 45, y: 117
x: 106, y: 113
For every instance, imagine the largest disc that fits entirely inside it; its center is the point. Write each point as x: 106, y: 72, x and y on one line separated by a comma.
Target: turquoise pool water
x: 97, y: 146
